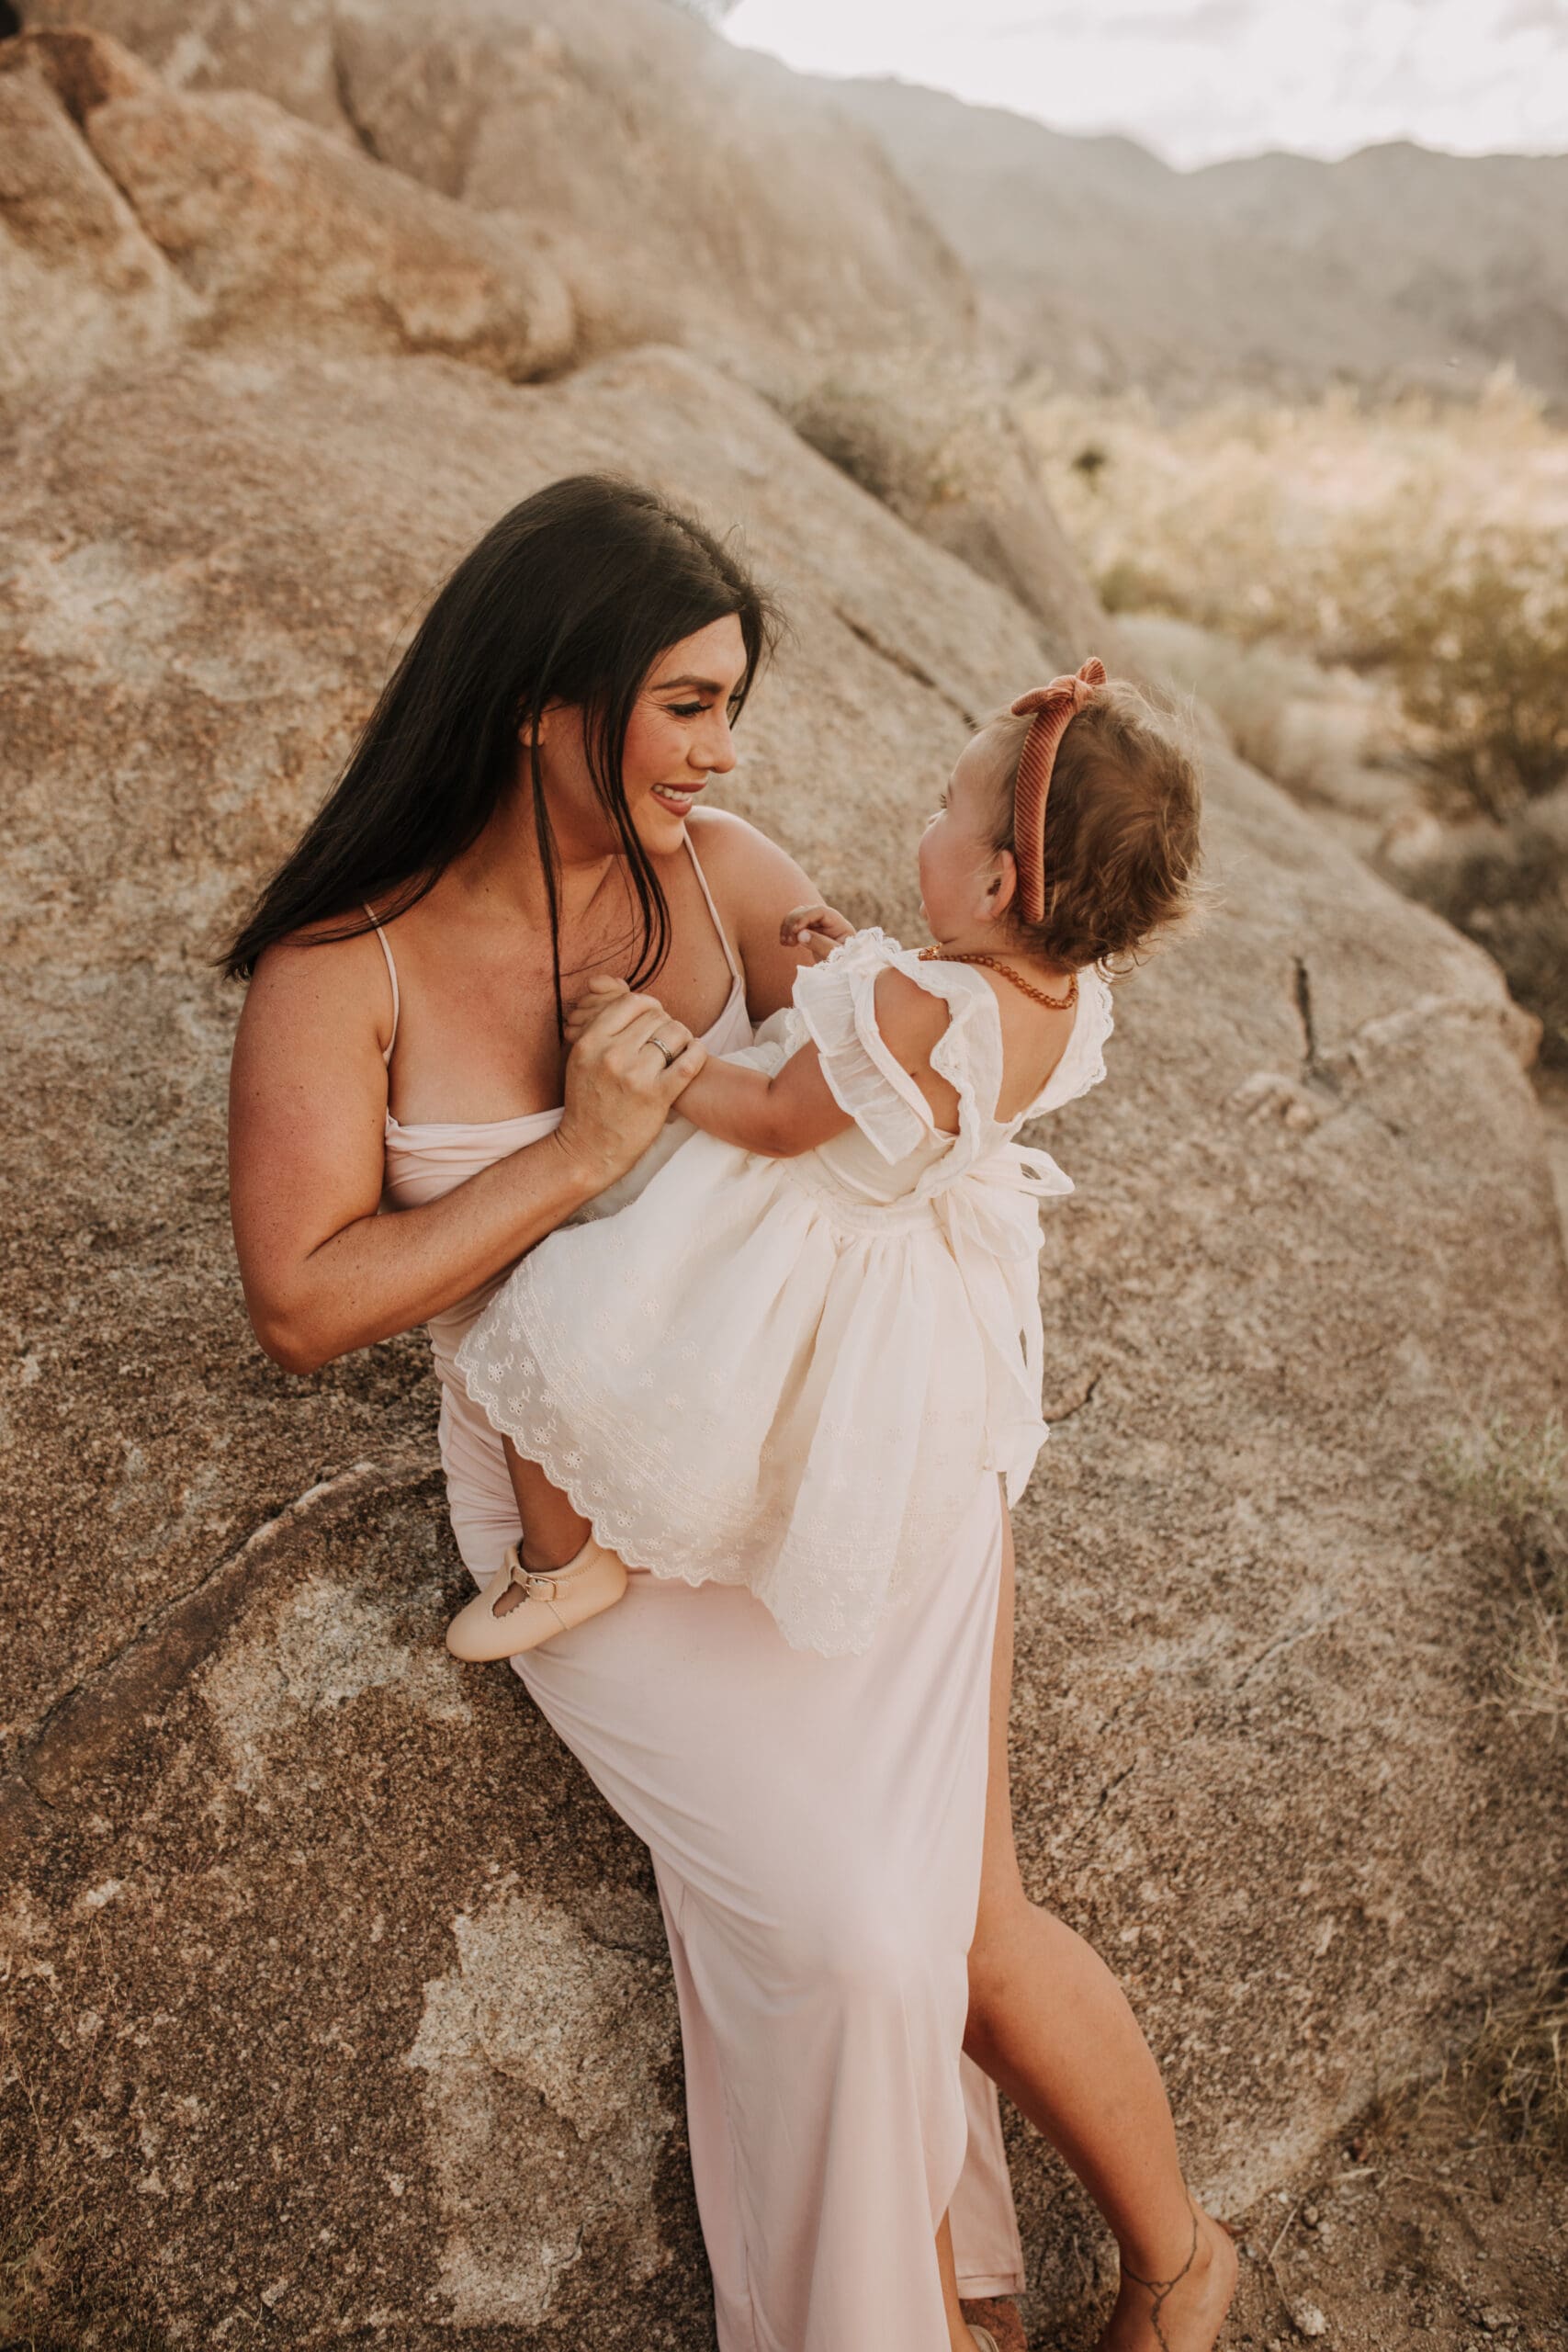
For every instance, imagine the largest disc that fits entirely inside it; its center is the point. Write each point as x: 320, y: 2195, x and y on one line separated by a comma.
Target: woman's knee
x: 1012, y: 1937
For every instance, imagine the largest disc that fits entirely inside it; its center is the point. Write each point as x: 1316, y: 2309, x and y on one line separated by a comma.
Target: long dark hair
x: 571, y: 598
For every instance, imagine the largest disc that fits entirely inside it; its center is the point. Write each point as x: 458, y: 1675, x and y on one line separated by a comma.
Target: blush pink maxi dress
x: 816, y: 1826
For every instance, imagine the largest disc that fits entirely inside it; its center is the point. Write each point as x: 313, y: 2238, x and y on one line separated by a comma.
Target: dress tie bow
x: 991, y: 1223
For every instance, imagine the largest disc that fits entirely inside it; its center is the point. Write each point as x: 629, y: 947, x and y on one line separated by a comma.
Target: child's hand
x: 817, y: 929
x: 601, y: 990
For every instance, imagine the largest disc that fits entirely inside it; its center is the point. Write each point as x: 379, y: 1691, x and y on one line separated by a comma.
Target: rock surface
x: 82, y: 285
x: 691, y: 193
x: 341, y: 2003
x: 225, y: 217
x: 273, y: 1855
x: 937, y: 444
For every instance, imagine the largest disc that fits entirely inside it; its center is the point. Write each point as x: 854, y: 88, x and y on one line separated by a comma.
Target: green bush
x: 1478, y: 648
x: 1507, y: 885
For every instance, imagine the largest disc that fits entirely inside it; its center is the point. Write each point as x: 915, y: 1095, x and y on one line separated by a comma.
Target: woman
x: 520, y: 814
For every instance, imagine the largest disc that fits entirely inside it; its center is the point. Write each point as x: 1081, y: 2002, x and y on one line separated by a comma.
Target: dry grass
x: 1375, y: 601
x: 1514, y: 1479
x: 1330, y: 736
x: 1424, y: 544
x: 1516, y: 2071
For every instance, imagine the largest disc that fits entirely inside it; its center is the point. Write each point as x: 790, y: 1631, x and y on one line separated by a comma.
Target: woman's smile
x: 678, y: 797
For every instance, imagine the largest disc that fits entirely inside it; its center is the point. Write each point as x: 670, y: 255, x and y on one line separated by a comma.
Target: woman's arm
x: 323, y: 1273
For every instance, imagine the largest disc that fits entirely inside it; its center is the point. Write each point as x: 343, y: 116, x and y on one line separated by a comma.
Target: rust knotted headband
x: 1051, y: 710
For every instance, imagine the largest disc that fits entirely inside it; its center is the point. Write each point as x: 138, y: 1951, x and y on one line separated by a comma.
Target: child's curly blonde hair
x: 1121, y: 831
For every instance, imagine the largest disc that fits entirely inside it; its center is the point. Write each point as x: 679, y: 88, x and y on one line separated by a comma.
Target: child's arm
x: 795, y: 1110
x: 779, y: 1116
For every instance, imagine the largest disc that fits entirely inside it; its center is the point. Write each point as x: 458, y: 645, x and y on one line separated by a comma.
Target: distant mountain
x: 1091, y: 257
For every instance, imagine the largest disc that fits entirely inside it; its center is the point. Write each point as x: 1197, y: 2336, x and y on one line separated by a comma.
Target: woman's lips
x: 676, y: 798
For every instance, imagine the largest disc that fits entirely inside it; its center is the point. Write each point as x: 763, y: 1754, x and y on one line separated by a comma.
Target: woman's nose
x: 714, y: 747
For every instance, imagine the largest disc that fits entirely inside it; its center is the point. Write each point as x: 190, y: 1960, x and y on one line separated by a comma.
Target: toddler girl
x: 787, y: 1364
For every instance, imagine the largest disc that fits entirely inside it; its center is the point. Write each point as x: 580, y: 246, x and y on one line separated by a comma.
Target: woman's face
x: 678, y: 736
x: 965, y: 882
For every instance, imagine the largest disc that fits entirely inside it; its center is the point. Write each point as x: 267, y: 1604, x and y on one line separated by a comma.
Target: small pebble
x: 1310, y: 2216
x: 1307, y: 2320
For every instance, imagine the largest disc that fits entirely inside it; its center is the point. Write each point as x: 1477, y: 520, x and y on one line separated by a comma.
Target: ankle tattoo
x: 1162, y: 2288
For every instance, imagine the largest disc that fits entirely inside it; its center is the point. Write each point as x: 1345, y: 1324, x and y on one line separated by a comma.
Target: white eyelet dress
x: 791, y: 1373
x: 816, y: 1827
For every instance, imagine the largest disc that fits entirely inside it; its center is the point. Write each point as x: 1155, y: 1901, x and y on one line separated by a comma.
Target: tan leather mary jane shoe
x: 554, y: 1601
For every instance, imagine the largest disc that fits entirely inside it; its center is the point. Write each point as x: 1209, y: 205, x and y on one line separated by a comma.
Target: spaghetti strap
x: 392, y: 976
x: 735, y: 972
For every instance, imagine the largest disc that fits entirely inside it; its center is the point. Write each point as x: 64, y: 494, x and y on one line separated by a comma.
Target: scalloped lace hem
x: 642, y: 1536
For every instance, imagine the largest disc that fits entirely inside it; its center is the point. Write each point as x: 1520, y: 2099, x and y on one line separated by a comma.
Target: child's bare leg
x: 552, y: 1532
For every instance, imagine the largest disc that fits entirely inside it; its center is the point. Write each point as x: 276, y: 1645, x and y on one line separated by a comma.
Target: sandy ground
x: 1423, y: 2233
x: 1421, y: 2230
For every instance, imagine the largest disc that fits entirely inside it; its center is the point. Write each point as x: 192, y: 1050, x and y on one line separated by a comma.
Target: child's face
x: 962, y: 876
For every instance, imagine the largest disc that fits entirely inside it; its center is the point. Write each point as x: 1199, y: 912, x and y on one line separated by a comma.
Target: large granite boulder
x: 340, y: 2001
x: 689, y: 192
x: 82, y: 285
x: 224, y: 217
x: 937, y: 441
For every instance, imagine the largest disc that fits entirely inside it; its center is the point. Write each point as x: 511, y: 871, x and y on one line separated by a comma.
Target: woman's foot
x: 1183, y: 2311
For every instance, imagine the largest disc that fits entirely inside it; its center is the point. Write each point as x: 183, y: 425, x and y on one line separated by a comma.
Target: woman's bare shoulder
x: 755, y: 885
x: 739, y: 856
x: 315, y: 983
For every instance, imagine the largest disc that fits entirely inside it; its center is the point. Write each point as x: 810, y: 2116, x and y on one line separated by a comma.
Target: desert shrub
x: 1421, y: 545
x: 1479, y: 652
x: 1514, y: 1478
x: 1507, y: 885
x: 1266, y: 520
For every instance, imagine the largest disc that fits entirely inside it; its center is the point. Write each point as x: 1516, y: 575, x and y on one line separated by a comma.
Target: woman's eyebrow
x: 704, y: 685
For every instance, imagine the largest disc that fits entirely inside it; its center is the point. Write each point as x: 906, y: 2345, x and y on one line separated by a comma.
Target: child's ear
x: 1002, y: 888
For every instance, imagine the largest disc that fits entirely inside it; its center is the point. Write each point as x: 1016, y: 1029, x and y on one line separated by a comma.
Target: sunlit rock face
x: 339, y: 1996
x: 687, y: 191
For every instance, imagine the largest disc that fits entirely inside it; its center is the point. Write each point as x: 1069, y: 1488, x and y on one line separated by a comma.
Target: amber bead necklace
x: 995, y: 963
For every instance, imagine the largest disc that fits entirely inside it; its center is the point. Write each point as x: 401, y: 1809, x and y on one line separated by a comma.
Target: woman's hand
x: 816, y: 928
x: 629, y: 1061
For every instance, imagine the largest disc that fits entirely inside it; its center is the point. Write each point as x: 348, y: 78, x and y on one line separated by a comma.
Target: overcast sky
x: 1197, y: 79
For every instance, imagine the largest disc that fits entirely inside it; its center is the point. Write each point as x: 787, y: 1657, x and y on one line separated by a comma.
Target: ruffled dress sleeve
x: 835, y: 1005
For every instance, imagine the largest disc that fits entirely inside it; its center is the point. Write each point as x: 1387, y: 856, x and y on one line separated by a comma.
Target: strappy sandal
x: 554, y: 1601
